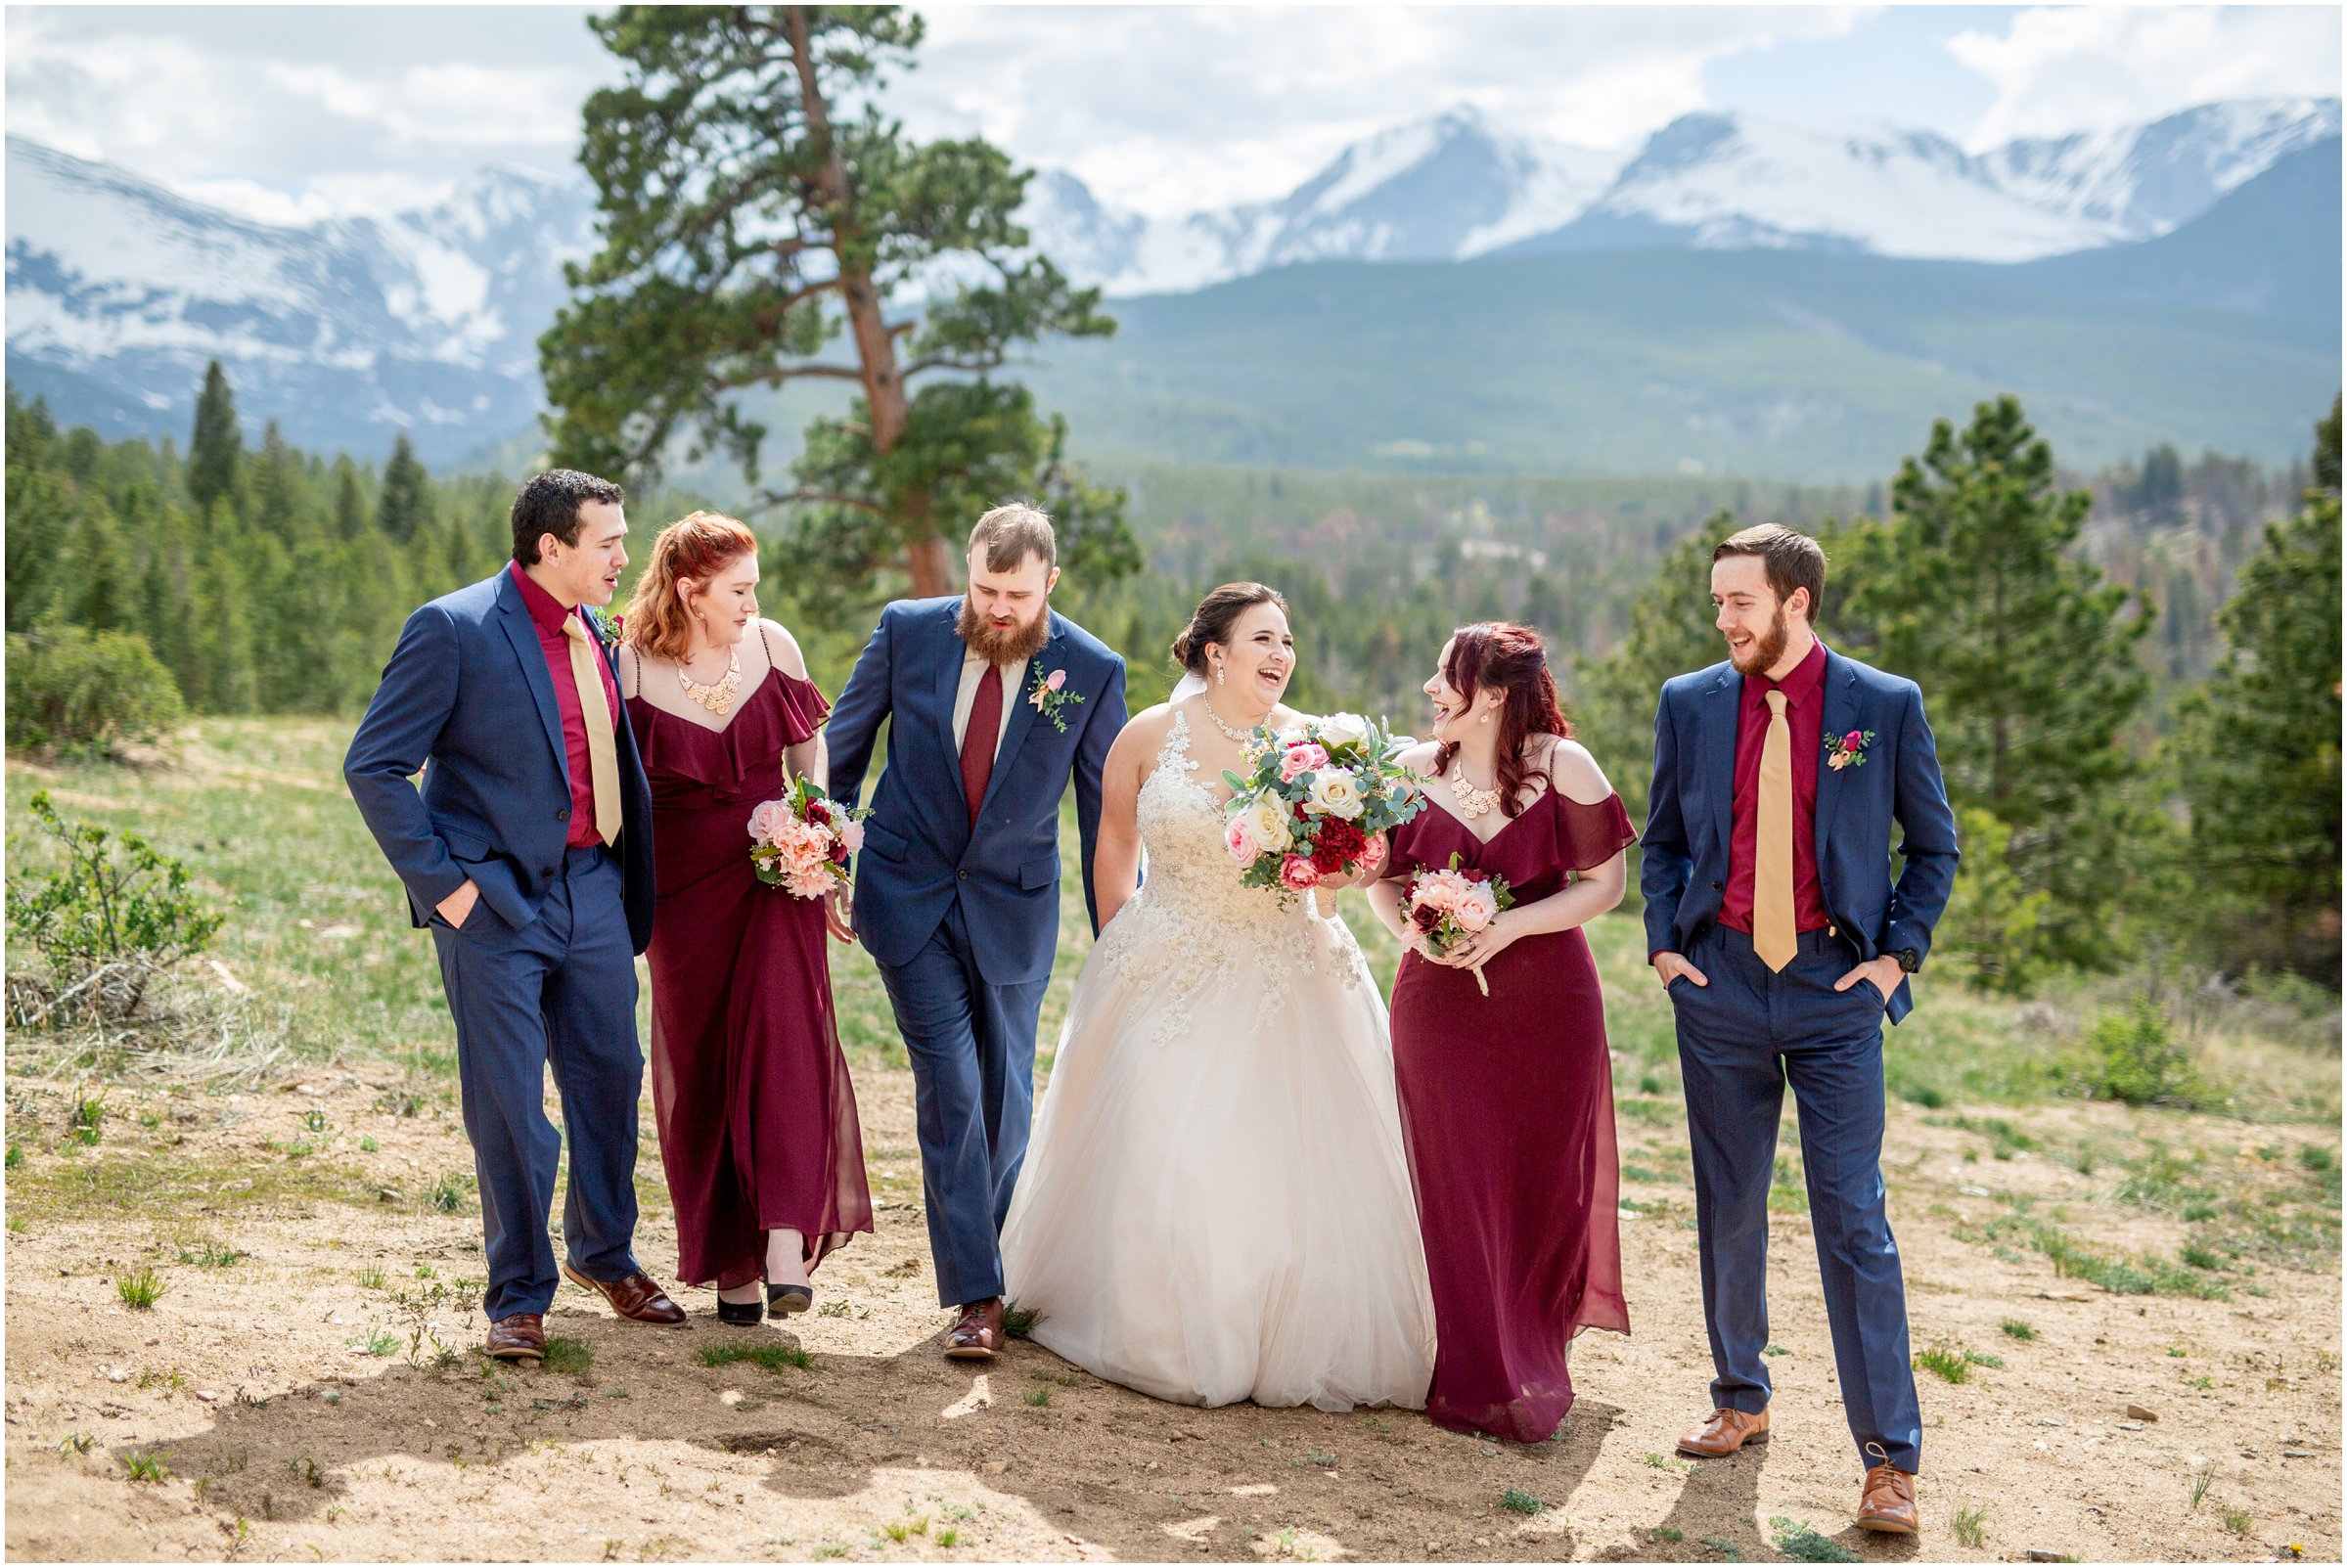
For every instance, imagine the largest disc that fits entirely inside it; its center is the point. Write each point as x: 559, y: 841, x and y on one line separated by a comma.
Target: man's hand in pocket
x: 458, y: 905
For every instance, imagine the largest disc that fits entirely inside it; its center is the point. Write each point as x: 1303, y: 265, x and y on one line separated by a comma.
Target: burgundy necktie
x: 979, y: 736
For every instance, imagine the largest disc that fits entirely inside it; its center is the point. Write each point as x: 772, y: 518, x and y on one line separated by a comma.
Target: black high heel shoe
x: 741, y: 1312
x: 789, y: 1301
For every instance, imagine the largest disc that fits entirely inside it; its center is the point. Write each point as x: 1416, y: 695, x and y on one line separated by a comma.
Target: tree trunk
x: 876, y: 349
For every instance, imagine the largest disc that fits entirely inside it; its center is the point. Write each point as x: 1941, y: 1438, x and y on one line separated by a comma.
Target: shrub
x: 118, y: 914
x: 72, y: 690
x: 1993, y: 930
x: 2131, y: 1056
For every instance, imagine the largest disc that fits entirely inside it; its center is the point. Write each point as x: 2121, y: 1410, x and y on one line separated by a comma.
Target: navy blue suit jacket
x: 1690, y: 815
x: 467, y: 691
x: 920, y: 851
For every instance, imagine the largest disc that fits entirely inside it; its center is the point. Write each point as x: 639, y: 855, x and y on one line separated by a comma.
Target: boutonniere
x: 1848, y: 750
x: 607, y: 626
x: 1048, y: 693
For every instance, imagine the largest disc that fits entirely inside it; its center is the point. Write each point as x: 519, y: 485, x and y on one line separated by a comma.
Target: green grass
x: 1803, y: 1544
x: 772, y: 1356
x: 140, y: 1289
x: 2203, y: 1479
x: 1019, y: 1321
x: 1039, y: 1397
x: 382, y: 1342
x: 1515, y: 1499
x: 1982, y: 1358
x: 572, y: 1356
x: 2014, y: 1328
x: 205, y: 1253
x: 1952, y: 1365
x: 1971, y: 1525
x: 371, y: 1277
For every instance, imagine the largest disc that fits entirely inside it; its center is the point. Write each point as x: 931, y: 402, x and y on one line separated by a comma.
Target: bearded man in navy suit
x: 995, y: 703
x: 1772, y: 921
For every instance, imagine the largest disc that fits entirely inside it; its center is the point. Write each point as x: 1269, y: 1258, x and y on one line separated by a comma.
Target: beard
x: 1004, y: 647
x: 1766, y: 649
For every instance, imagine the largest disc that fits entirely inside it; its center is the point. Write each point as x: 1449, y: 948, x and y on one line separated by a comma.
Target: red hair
x: 695, y: 548
x: 1509, y: 658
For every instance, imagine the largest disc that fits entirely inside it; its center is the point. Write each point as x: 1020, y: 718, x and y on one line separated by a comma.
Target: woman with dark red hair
x: 758, y: 1130
x: 1507, y: 1096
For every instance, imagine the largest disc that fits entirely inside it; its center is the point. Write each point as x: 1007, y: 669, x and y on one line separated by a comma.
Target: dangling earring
x: 1221, y: 675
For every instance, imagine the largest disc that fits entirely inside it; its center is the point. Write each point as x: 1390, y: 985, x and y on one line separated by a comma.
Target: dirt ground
x: 284, y: 1382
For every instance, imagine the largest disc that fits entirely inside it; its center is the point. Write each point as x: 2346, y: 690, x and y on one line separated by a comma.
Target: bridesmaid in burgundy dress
x: 758, y: 1118
x: 1507, y: 1100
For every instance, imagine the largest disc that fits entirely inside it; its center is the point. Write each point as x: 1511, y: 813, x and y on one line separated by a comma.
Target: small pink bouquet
x: 801, y: 842
x: 1450, y: 905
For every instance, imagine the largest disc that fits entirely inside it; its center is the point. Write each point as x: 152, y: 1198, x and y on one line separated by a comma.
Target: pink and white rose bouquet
x: 1317, y: 795
x: 801, y: 842
x: 1446, y: 907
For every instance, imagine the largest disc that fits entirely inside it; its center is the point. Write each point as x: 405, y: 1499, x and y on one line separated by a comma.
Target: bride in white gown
x: 1215, y: 1204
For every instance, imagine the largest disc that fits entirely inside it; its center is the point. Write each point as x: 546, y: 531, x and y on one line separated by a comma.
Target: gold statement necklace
x: 1472, y: 802
x: 718, y: 696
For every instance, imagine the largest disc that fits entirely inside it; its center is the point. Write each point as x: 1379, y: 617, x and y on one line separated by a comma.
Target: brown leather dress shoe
x: 635, y: 1296
x: 1723, y: 1432
x: 978, y: 1332
x: 1888, y: 1503
x: 520, y: 1337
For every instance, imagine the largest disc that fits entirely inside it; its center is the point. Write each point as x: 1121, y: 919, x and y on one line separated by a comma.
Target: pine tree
x: 2258, y: 746
x: 2027, y: 659
x: 405, y: 504
x: 756, y: 205
x: 350, y: 510
x: 276, y: 478
x: 216, y: 450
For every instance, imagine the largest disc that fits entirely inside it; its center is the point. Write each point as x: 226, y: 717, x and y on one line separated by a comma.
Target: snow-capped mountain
x: 1456, y: 184
x: 427, y: 321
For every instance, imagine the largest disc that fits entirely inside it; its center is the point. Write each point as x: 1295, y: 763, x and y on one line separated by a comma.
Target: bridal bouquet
x: 1450, y: 905
x: 1319, y: 792
x: 800, y: 843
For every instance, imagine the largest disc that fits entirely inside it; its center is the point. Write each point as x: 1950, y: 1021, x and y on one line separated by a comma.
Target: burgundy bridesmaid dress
x: 1508, y: 1111
x: 756, y: 1114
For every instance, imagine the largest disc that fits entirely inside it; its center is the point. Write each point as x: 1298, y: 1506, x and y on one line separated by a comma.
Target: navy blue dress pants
x: 1742, y: 1040
x: 972, y: 1049
x: 561, y: 990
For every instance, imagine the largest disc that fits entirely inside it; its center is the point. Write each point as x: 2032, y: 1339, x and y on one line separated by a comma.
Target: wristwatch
x: 1909, y: 958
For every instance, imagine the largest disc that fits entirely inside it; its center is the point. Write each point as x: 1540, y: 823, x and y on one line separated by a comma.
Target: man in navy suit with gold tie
x: 1772, y: 921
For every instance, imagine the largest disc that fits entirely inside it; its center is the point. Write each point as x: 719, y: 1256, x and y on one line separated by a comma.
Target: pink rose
x: 850, y: 832
x: 769, y: 821
x: 1853, y: 740
x: 1300, y: 874
x: 1477, y: 907
x: 1058, y: 679
x: 1304, y: 758
x: 1239, y: 839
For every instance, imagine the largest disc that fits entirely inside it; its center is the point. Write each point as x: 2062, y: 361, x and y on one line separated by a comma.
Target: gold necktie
x: 1772, y: 936
x: 603, y: 748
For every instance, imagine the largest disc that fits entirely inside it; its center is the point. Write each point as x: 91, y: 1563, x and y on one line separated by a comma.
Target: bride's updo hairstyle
x: 694, y: 549
x: 1509, y: 658
x: 1212, y: 620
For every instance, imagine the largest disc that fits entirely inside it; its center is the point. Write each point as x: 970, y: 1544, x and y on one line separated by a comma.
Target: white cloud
x: 2065, y: 69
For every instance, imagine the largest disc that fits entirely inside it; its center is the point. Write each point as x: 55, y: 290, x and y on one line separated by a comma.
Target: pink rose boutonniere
x: 1048, y: 693
x: 1848, y: 750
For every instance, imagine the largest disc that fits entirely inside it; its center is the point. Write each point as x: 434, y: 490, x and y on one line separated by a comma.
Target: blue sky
x: 296, y: 113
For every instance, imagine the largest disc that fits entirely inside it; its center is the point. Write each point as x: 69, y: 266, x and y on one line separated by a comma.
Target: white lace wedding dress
x: 1215, y: 1204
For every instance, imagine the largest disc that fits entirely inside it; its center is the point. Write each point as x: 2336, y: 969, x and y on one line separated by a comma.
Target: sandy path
x: 281, y: 1439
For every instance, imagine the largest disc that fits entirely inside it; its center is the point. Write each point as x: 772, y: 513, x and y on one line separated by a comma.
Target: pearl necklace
x: 718, y: 696
x: 1473, y: 802
x: 1242, y: 736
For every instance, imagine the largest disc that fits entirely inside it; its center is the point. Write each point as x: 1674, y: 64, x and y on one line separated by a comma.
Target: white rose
x: 1344, y: 729
x: 1336, y: 793
x: 1266, y: 817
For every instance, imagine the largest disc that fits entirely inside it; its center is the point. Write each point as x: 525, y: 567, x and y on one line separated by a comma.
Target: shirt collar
x: 1801, y: 680
x: 544, y: 609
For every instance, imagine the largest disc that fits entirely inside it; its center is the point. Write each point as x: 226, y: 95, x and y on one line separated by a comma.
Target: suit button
x: 965, y: 875
x: 1718, y: 886
x: 563, y: 815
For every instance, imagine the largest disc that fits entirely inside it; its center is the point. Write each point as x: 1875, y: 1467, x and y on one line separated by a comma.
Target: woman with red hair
x: 1507, y: 1096
x: 758, y: 1118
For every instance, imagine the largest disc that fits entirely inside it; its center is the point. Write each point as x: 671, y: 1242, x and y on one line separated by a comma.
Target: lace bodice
x: 1193, y: 918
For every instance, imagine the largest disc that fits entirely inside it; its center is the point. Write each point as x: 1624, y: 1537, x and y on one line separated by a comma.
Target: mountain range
x: 2210, y: 232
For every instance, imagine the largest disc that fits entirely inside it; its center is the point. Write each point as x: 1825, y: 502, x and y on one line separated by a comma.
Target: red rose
x: 1425, y: 920
x: 1853, y: 740
x: 817, y: 811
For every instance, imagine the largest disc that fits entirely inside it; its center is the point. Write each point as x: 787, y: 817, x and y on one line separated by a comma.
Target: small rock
x: 1973, y: 1192
x: 2041, y: 1554
x: 994, y: 1467
x: 207, y: 1395
x: 428, y: 1421
x: 2048, y: 1421
x: 2131, y: 1426
x: 117, y: 1375
x: 2143, y: 1413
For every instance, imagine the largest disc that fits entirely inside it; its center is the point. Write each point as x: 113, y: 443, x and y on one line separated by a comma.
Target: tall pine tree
x: 404, y: 508
x: 216, y: 450
x: 756, y: 206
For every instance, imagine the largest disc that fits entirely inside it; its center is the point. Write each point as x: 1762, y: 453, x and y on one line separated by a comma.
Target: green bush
x: 2131, y: 1056
x: 78, y: 690
x: 118, y: 913
x: 1993, y: 930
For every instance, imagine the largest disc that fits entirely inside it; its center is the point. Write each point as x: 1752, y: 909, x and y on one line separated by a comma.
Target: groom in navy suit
x: 1772, y: 921
x: 995, y: 702
x: 527, y: 852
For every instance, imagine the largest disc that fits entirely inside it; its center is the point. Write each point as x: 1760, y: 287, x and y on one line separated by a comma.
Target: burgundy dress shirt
x: 547, y: 615
x: 1805, y: 715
